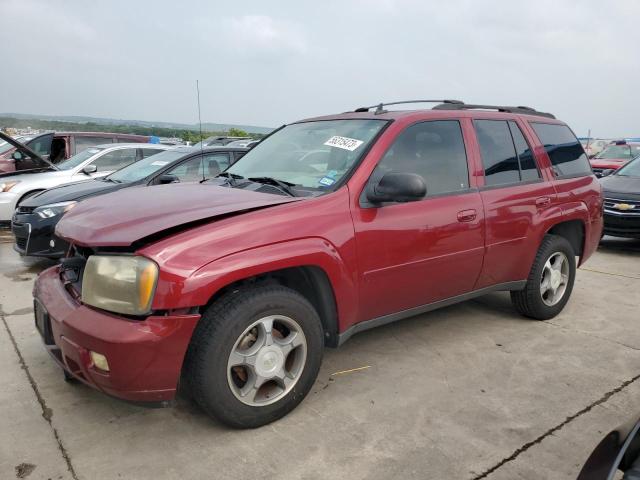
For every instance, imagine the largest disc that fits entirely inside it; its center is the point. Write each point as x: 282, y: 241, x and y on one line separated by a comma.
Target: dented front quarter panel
x: 197, y: 263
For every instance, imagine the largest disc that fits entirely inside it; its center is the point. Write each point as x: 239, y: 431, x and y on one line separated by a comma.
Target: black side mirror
x: 607, y: 172
x: 397, y: 187
x: 167, y: 178
x: 89, y: 169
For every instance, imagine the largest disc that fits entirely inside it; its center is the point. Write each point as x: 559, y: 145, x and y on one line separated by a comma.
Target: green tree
x: 236, y: 132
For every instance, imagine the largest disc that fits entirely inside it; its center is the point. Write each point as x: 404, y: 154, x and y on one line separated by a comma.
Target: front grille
x: 621, y: 207
x: 21, y: 233
x: 21, y: 243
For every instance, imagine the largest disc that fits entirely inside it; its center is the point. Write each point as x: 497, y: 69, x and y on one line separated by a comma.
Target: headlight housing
x: 6, y: 186
x: 118, y: 283
x: 54, y: 209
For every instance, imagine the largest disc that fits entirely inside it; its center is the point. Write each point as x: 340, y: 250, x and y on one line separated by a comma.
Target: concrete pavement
x: 468, y: 392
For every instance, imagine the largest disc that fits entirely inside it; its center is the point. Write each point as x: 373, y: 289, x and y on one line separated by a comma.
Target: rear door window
x: 528, y: 168
x: 565, y: 152
x: 498, y: 152
x: 506, y: 155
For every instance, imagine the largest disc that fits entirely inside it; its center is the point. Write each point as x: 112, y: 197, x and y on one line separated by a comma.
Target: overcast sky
x: 271, y: 62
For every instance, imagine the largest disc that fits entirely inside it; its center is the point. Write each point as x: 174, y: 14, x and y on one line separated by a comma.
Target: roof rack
x: 379, y: 107
x: 501, y: 108
x: 458, y: 105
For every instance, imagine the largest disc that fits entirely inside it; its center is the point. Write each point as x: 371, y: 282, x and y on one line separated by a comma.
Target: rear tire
x: 550, y: 281
x: 278, y: 338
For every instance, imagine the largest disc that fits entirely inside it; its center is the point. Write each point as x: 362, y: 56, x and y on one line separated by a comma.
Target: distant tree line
x: 186, y: 135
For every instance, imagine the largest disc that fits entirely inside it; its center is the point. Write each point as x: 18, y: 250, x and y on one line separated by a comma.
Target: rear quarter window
x: 565, y: 151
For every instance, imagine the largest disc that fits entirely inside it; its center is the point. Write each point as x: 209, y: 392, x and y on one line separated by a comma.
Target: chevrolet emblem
x: 623, y: 206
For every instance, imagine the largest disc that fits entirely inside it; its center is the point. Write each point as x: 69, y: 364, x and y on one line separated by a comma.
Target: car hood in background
x: 621, y: 184
x: 35, y: 175
x: 72, y: 191
x: 121, y: 218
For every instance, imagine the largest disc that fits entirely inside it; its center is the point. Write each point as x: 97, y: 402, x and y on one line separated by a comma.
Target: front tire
x: 254, y: 355
x: 550, y: 281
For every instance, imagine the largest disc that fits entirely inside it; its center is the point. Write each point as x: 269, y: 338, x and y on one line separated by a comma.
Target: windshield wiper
x: 231, y: 178
x: 107, y: 179
x: 281, y: 184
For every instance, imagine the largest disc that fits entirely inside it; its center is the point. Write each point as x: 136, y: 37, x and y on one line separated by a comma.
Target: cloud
x: 262, y: 34
x: 273, y: 62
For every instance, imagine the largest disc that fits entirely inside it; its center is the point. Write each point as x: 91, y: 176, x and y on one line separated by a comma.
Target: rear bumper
x: 145, y: 356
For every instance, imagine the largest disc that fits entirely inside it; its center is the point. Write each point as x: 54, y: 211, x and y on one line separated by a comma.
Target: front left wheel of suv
x: 255, y: 355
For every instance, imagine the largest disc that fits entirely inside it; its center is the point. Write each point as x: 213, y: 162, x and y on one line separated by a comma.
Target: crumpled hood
x: 120, y: 218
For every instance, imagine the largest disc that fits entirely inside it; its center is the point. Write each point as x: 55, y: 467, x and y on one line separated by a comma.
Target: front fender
x: 204, y: 283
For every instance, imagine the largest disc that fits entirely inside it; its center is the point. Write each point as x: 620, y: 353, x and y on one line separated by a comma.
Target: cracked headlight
x: 118, y: 283
x: 55, y: 209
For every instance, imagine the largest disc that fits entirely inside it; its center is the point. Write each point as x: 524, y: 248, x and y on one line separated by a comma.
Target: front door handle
x: 542, y: 202
x: 467, y: 215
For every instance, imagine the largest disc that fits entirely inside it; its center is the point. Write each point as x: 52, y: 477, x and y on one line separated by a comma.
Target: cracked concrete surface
x: 472, y: 391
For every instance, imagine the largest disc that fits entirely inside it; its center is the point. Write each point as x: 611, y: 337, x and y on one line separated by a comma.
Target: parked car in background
x: 615, y: 156
x: 35, y: 218
x: 248, y: 143
x: 593, y: 146
x: 218, y: 140
x: 59, y: 146
x: 328, y: 227
x: 93, y: 162
x: 622, y: 200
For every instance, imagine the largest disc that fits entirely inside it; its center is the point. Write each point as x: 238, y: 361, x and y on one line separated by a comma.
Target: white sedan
x: 95, y: 162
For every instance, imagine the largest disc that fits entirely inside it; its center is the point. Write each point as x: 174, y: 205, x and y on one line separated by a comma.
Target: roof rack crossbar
x: 379, y: 107
x: 501, y: 108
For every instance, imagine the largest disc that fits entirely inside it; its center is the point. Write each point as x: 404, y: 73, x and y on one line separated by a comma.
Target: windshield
x: 631, y: 169
x: 310, y: 155
x: 76, y: 160
x: 145, y: 167
x: 617, y: 151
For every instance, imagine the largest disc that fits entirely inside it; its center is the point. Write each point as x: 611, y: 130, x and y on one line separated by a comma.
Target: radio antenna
x: 204, y: 178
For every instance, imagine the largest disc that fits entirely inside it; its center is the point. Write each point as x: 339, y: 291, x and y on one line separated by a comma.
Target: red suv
x: 330, y: 226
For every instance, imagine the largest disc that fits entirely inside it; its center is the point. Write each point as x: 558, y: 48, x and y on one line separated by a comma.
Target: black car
x: 622, y: 201
x: 35, y: 218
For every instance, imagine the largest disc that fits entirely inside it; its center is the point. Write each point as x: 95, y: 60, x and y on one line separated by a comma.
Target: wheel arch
x: 310, y: 266
x: 573, y: 231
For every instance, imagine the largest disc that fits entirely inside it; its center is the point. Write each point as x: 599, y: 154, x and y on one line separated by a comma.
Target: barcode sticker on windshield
x: 345, y: 143
x: 159, y: 163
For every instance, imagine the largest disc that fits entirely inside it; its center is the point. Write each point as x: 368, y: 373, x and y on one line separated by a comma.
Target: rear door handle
x: 542, y: 201
x: 467, y: 215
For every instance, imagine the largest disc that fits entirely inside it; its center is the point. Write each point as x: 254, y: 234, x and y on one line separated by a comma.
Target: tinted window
x: 115, y: 160
x: 214, y: 163
x: 566, y: 154
x: 498, y: 153
x: 82, y: 143
x: 528, y: 168
x: 435, y: 150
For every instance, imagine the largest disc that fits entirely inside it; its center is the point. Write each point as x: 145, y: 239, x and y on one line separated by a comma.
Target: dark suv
x: 328, y: 227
